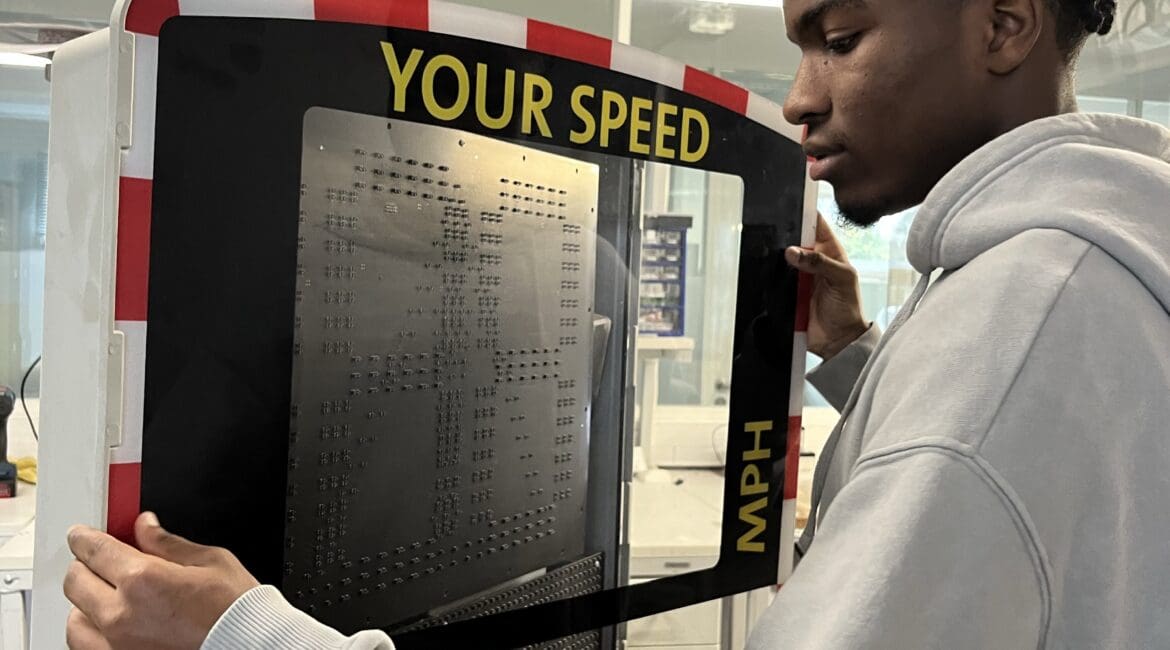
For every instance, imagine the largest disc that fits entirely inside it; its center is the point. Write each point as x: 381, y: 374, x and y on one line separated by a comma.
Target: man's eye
x: 842, y: 45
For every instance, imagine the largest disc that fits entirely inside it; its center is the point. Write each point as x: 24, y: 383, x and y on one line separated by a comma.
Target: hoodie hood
x: 1103, y: 178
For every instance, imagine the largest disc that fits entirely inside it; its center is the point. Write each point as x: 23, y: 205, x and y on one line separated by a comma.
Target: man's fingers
x: 104, y: 555
x: 827, y: 241
x: 154, y: 539
x: 82, y: 634
x: 88, y: 592
x: 818, y: 263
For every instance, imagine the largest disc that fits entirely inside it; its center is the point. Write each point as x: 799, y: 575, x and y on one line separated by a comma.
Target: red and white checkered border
x: 144, y: 19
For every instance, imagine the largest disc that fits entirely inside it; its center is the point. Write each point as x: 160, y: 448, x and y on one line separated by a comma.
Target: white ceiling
x: 90, y: 11
x: 661, y: 25
x: 1131, y: 64
x: 756, y: 43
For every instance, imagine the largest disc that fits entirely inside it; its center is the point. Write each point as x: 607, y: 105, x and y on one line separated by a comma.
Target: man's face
x: 889, y: 97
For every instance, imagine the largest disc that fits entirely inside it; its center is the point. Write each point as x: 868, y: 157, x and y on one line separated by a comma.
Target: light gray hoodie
x: 1002, y: 475
x: 1001, y: 478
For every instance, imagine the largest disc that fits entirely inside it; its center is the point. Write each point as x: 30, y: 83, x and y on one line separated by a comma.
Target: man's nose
x: 808, y: 99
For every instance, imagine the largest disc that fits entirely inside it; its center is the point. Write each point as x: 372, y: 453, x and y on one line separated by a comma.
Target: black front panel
x: 232, y: 100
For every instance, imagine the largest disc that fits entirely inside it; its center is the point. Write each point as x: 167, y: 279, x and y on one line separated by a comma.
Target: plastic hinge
x: 124, y: 86
x: 115, y: 387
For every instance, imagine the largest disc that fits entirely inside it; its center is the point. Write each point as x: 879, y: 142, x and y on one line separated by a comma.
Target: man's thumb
x: 152, y: 538
x: 816, y: 263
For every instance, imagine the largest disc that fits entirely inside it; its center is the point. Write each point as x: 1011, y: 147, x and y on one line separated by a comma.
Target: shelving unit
x: 663, y: 278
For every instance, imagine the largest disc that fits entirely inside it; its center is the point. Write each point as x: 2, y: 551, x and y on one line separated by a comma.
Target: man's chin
x: 864, y: 205
x: 863, y: 213
x: 860, y: 216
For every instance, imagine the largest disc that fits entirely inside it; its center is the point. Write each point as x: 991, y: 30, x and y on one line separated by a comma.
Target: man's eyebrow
x: 812, y: 16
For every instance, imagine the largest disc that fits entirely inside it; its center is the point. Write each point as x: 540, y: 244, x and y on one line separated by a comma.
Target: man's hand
x: 835, y: 318
x: 169, y: 595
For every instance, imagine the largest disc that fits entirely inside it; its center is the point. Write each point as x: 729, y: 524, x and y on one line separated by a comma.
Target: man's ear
x: 1013, y: 27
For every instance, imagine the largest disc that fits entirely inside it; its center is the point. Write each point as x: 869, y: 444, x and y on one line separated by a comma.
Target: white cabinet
x: 690, y: 628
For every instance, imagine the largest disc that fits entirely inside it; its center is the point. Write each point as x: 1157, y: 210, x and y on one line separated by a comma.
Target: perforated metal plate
x: 577, y: 578
x: 442, y: 360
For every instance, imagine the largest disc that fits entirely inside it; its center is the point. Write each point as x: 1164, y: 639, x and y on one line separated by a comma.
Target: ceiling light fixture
x: 16, y: 59
x: 711, y: 19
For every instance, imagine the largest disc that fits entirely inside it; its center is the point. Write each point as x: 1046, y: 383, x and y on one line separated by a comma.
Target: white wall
x: 24, y: 95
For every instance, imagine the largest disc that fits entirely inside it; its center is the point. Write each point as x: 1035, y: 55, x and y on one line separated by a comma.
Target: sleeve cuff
x: 835, y: 378
x: 262, y: 618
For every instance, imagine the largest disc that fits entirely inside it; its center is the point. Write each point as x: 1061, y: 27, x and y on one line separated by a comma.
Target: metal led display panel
x: 441, y: 370
x: 229, y: 129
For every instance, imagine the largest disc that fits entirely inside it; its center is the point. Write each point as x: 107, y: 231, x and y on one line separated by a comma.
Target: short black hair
x: 1077, y: 19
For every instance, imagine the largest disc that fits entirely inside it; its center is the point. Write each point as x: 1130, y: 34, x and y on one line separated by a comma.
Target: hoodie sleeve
x: 262, y: 618
x: 922, y: 549
x: 835, y: 377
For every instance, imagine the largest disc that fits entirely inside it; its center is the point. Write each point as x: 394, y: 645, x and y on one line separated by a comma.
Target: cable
x: 22, y: 403
x: 721, y: 459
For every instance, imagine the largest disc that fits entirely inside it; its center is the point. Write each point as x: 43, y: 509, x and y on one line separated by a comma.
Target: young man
x: 998, y: 479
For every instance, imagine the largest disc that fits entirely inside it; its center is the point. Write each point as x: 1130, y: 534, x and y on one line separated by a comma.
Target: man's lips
x: 823, y: 157
x: 821, y: 167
